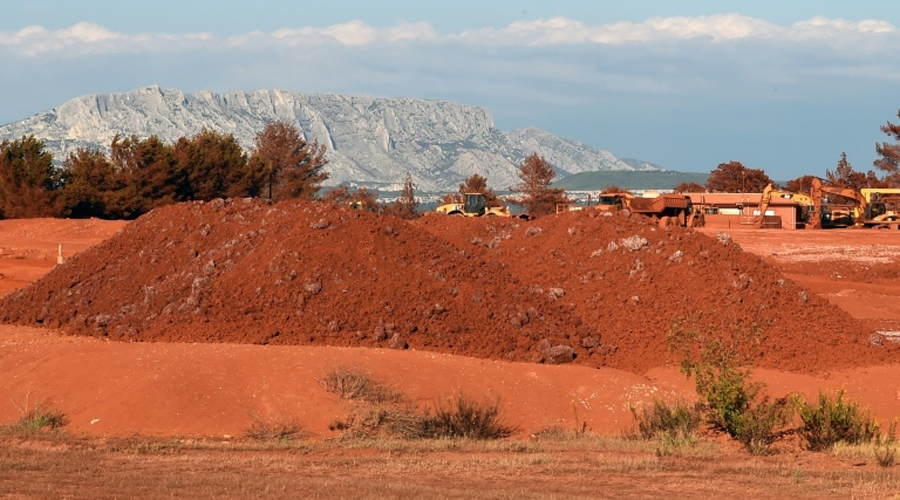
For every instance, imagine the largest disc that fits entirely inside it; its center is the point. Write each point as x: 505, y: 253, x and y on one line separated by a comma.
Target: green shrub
x: 833, y: 420
x: 716, y: 362
x: 886, y: 454
x: 728, y: 394
x: 677, y: 421
x: 886, y: 446
x: 735, y: 405
x: 759, y: 425
x: 43, y: 418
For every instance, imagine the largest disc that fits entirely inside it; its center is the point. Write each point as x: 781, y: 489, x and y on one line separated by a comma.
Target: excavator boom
x: 770, y: 192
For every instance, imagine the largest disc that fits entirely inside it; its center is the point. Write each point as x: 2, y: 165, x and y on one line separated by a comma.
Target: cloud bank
x: 86, y: 38
x: 732, y: 87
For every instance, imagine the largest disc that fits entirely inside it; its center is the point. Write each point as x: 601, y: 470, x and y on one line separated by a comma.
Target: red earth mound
x: 605, y: 290
x: 632, y: 281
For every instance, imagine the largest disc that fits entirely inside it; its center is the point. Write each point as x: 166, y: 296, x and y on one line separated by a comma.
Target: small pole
x: 59, y: 256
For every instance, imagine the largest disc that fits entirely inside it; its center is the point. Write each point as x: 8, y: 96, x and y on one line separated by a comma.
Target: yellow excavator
x: 873, y: 207
x: 808, y: 211
x: 882, y: 207
x: 855, y: 197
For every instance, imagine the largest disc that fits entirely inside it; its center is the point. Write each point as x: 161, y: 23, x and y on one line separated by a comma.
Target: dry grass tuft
x: 678, y: 421
x: 352, y: 384
x: 382, y: 421
x: 467, y: 418
x: 274, y: 428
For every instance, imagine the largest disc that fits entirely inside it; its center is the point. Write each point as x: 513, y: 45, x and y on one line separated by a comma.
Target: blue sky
x: 781, y: 86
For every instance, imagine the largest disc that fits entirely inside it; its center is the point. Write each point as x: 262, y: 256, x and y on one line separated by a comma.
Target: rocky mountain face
x: 370, y: 141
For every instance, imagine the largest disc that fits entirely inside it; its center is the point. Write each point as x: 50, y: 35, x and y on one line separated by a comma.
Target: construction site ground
x: 159, y: 407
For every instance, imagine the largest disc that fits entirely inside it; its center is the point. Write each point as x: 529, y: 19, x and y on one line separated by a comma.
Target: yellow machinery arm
x: 817, y: 191
x: 770, y: 192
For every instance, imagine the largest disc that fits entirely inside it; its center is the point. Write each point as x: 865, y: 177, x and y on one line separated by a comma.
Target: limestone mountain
x: 370, y: 141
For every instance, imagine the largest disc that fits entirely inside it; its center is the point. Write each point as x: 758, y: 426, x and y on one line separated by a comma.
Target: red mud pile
x: 605, y: 290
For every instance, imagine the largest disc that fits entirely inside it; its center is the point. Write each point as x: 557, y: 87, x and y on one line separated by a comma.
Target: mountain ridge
x: 369, y: 141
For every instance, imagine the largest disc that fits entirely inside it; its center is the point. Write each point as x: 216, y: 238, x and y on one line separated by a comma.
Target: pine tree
x: 689, y: 187
x: 290, y: 167
x: 889, y: 163
x: 214, y: 164
x: 538, y: 197
x: 27, y: 179
x: 147, y: 176
x: 406, y: 205
x: 844, y: 176
x: 478, y: 184
x: 86, y: 182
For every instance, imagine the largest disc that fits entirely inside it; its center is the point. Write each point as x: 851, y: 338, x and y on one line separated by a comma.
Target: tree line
x: 141, y: 174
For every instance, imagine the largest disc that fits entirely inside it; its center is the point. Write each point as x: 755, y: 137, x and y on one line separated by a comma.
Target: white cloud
x: 87, y: 38
x: 350, y: 34
x: 717, y: 28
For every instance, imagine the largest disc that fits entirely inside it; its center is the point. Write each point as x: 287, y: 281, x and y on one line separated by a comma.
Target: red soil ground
x: 442, y: 305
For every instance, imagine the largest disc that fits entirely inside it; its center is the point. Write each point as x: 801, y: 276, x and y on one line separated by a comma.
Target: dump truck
x: 672, y: 209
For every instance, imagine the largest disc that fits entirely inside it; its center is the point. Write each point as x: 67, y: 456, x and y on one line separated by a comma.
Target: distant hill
x: 640, y: 164
x: 596, y: 181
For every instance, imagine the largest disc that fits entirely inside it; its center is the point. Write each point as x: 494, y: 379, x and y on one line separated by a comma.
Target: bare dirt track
x: 29, y: 247
x: 409, y: 285
x: 856, y: 270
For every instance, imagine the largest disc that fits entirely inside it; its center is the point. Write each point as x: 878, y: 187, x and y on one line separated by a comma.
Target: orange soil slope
x: 217, y: 389
x: 605, y: 290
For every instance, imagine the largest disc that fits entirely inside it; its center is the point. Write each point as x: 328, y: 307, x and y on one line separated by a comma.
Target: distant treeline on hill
x: 596, y: 181
x: 142, y: 174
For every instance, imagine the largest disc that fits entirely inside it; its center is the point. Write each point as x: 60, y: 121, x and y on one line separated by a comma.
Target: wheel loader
x: 475, y: 205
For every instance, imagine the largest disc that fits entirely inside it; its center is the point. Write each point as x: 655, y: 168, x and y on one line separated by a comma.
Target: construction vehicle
x: 475, y: 205
x: 807, y: 205
x: 872, y: 207
x: 834, y: 215
x: 568, y: 207
x: 837, y: 215
x: 670, y: 209
x: 882, y: 207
